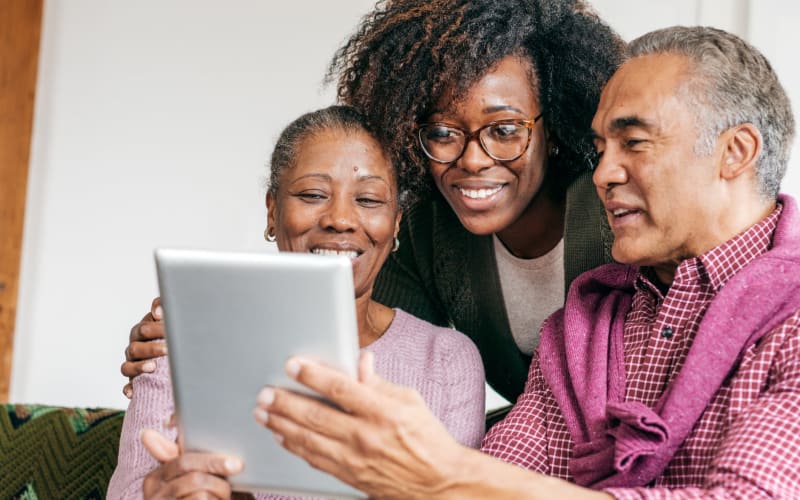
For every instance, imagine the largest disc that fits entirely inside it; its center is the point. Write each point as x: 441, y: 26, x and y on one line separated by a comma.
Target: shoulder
x: 414, y: 327
x: 438, y: 244
x: 436, y: 342
x: 775, y: 356
x: 784, y: 338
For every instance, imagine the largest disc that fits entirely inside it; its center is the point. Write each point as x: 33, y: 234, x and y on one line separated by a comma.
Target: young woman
x: 486, y: 108
x: 332, y: 190
x: 491, y: 102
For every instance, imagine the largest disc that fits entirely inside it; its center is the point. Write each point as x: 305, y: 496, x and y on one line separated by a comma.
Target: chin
x: 626, y: 254
x: 482, y: 226
x: 481, y: 229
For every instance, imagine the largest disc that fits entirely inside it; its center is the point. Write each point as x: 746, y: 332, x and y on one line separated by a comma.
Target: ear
x: 397, y: 220
x: 271, y: 210
x: 548, y: 140
x: 743, y: 145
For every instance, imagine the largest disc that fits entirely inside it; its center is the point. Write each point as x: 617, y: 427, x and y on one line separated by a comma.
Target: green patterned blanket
x: 50, y: 452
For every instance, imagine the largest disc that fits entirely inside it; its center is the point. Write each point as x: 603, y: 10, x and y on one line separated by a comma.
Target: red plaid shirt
x: 747, y: 442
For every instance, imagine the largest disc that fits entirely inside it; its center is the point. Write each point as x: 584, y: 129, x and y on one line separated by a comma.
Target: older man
x: 673, y: 375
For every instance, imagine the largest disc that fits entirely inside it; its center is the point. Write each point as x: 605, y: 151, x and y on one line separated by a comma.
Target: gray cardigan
x: 448, y: 276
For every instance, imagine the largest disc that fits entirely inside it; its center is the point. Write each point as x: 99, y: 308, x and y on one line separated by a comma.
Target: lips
x: 480, y: 194
x: 621, y: 212
x: 350, y: 253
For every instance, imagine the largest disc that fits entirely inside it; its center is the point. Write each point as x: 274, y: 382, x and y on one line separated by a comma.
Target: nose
x: 339, y: 215
x: 475, y: 158
x: 610, y: 171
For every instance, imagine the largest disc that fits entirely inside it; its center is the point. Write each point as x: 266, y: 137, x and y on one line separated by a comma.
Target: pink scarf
x: 625, y: 443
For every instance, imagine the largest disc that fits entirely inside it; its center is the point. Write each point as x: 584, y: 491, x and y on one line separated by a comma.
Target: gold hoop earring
x: 396, y: 244
x: 269, y: 236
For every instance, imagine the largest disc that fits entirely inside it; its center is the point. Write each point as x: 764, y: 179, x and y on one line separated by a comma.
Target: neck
x: 538, y: 230
x: 734, y: 220
x: 373, y: 320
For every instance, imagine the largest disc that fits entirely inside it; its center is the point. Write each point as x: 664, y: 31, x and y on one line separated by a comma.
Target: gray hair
x: 333, y: 118
x: 731, y: 83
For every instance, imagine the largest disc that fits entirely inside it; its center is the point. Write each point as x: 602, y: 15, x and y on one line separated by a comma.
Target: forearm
x: 150, y: 408
x: 477, y: 475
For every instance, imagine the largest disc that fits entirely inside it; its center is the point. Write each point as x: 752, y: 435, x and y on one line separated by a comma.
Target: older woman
x: 332, y: 189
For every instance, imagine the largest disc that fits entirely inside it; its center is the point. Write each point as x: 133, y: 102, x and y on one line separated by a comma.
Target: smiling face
x: 489, y: 195
x: 339, y: 197
x: 664, y: 203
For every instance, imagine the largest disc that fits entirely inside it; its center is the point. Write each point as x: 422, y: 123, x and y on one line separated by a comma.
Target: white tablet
x: 232, y: 320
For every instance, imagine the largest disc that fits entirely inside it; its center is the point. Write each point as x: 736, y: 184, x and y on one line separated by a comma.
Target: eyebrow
x: 371, y: 177
x: 502, y: 107
x: 326, y: 177
x: 488, y: 110
x: 625, y: 122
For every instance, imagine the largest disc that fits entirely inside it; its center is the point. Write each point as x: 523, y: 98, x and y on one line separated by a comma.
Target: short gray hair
x: 731, y: 83
x: 333, y: 118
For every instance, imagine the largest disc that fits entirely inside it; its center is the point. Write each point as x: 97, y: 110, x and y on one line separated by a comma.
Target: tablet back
x: 232, y: 320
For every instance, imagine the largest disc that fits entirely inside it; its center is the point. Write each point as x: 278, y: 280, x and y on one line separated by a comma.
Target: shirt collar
x: 727, y: 259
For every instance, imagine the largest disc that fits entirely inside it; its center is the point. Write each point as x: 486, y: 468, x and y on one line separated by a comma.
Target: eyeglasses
x: 502, y: 140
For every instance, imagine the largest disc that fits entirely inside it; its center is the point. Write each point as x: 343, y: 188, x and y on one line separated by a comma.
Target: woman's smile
x: 480, y: 197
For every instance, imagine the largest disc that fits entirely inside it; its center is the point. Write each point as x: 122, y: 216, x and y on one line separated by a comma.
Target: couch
x: 53, y: 452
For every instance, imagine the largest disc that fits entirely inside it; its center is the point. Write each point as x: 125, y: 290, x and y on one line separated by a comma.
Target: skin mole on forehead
x: 355, y: 168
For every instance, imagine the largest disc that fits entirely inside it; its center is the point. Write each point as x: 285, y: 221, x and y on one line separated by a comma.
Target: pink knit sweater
x: 441, y: 364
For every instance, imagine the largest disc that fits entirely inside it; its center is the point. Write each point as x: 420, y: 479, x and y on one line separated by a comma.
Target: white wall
x: 153, y: 123
x: 773, y: 28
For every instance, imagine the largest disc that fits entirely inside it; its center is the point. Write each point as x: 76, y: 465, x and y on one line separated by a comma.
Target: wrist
x: 464, y: 476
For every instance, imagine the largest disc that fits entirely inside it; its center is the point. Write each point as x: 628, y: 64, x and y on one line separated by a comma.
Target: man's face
x: 662, y: 201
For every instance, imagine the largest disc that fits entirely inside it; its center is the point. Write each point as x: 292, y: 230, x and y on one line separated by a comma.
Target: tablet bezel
x: 213, y: 303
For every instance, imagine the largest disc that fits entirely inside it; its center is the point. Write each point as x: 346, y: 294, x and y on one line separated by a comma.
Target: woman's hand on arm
x: 190, y: 475
x: 141, y: 351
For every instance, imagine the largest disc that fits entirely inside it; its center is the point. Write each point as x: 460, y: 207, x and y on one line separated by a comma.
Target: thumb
x: 161, y: 448
x: 156, y: 310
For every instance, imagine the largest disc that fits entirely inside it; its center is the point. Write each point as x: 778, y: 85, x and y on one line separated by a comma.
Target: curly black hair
x: 406, y: 53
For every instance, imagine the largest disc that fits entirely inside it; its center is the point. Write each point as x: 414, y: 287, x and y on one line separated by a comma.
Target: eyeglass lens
x: 501, y: 141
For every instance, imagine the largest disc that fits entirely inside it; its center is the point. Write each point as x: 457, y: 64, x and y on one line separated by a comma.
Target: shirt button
x: 666, y: 332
